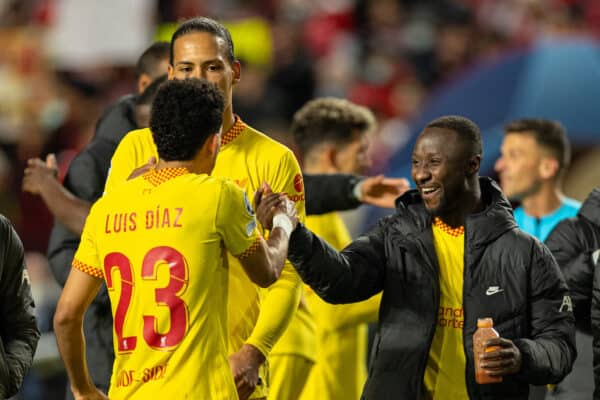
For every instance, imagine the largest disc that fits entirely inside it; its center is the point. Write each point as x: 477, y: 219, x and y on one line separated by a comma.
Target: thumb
x: 152, y: 161
x: 51, y: 161
x: 267, y: 188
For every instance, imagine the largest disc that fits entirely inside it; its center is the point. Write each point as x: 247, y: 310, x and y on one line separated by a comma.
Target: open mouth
x: 429, y: 192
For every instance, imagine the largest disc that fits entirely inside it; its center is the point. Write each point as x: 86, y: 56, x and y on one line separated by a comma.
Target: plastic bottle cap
x: 485, y: 322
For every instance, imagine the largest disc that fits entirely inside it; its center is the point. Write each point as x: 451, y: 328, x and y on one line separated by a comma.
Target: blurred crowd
x: 63, y: 61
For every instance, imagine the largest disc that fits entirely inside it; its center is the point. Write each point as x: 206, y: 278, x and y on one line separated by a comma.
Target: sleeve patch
x: 95, y: 272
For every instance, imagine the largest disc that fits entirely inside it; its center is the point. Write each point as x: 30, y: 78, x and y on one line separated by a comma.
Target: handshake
x: 275, y: 210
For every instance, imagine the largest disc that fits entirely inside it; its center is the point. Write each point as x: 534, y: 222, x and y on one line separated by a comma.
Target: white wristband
x: 283, y: 221
x: 357, y: 190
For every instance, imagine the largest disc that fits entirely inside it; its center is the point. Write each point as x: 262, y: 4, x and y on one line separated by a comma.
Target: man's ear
x: 237, y: 71
x: 473, y: 164
x: 215, y: 142
x: 548, y: 168
x: 142, y: 83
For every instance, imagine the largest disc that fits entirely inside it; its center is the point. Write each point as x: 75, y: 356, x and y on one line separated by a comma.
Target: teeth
x: 428, y: 190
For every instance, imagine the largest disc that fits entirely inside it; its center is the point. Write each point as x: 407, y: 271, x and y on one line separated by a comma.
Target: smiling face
x: 439, y: 169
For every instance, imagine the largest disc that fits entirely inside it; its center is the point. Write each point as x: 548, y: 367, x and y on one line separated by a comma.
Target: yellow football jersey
x: 158, y: 241
x: 340, y: 370
x: 445, y: 371
x: 249, y: 158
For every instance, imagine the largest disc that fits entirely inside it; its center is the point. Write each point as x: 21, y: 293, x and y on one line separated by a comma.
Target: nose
x: 421, y: 173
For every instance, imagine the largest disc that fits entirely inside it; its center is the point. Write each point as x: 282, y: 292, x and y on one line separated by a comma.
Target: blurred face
x: 203, y: 55
x: 353, y: 158
x: 439, y: 170
x: 519, y: 165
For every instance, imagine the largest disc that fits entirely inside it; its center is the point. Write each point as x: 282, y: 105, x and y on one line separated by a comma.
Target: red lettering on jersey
x: 149, y: 219
x: 298, y: 183
x: 132, y: 221
x: 295, y: 197
x: 176, y: 223
x: 166, y: 221
x: 107, y: 225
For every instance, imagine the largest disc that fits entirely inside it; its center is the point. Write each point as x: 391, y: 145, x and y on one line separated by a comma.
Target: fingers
x: 51, y: 161
x: 399, y: 182
x: 151, y: 161
x: 257, y: 198
x: 265, y: 188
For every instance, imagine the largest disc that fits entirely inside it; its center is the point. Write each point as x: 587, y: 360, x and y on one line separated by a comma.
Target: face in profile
x: 518, y: 165
x: 438, y: 168
x: 203, y: 55
x: 353, y: 157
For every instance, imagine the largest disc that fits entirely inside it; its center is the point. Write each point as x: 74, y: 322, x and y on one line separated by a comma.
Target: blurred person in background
x: 535, y: 155
x: 333, y: 136
x: 83, y: 185
x: 19, y: 333
x: 456, y: 225
x: 575, y: 244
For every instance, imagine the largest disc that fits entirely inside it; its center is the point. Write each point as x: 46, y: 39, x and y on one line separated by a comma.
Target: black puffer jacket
x: 575, y: 242
x: 529, y: 304
x: 19, y: 334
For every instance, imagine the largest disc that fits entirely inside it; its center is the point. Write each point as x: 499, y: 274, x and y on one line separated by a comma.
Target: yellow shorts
x: 288, y: 373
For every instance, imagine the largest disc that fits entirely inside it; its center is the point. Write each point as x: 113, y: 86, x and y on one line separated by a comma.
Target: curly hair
x: 184, y: 114
x: 204, y: 24
x: 329, y: 119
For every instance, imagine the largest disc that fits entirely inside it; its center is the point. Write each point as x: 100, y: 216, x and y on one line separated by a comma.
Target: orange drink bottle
x: 485, y: 330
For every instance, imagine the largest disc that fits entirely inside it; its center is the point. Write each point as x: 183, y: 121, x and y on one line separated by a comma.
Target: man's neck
x: 193, y: 167
x: 228, y: 119
x: 543, y: 202
x: 317, y: 163
x: 469, y: 204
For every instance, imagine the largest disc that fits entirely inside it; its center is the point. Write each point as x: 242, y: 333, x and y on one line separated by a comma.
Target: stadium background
x: 63, y: 61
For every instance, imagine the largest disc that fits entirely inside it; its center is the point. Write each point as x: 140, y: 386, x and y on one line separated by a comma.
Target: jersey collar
x: 236, y: 129
x: 158, y: 176
x: 456, y: 232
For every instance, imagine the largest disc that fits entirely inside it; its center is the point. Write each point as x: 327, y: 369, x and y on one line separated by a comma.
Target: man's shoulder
x: 118, y: 119
x: 569, y: 207
x: 142, y: 134
x: 256, y: 140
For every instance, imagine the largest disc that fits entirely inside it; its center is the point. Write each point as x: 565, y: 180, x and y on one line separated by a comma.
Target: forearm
x: 69, y: 210
x: 277, y: 249
x: 327, y: 193
x: 71, y: 344
x: 334, y: 277
x: 278, y: 307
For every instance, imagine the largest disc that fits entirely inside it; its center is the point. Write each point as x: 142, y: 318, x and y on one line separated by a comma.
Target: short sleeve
x: 132, y: 152
x: 236, y: 221
x: 87, y: 258
x: 288, y: 179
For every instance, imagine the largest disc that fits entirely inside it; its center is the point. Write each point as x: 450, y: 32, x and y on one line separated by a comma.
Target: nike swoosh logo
x: 493, y: 290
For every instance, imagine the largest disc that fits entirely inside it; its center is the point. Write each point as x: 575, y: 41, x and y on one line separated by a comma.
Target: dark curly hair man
x: 184, y: 114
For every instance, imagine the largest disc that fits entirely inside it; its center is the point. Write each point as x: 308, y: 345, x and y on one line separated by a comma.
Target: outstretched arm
x: 41, y: 179
x: 337, y: 192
